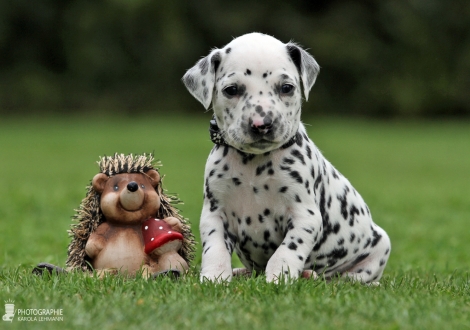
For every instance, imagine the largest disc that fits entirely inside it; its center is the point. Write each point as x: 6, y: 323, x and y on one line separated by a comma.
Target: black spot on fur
x: 327, y: 227
x: 309, y: 151
x: 295, y: 175
x: 352, y: 237
x: 283, y: 189
x: 190, y: 82
x: 360, y: 258
x: 298, y: 139
x: 297, y: 154
x: 290, y: 224
x: 210, y: 196
x: 215, y: 60
x: 376, y: 237
x: 317, y: 182
x: 344, y: 203
x: 292, y: 246
x: 246, y: 157
x: 260, y: 169
x: 338, y: 253
x: 204, y: 66
x: 336, y: 228
x: 248, y: 220
x: 335, y: 175
x: 352, y: 212
x: 267, y: 234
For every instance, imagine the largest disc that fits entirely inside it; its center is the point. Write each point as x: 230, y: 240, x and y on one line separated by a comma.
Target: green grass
x: 414, y: 176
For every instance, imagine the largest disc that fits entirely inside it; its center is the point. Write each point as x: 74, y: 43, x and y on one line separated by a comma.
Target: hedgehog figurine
x: 127, y: 224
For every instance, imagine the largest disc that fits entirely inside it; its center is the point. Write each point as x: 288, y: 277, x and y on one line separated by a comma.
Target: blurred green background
x: 379, y: 58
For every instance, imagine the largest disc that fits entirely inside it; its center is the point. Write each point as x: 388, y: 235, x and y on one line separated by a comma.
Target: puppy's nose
x: 261, y: 125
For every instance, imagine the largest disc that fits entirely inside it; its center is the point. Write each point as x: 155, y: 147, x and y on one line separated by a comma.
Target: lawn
x: 414, y: 176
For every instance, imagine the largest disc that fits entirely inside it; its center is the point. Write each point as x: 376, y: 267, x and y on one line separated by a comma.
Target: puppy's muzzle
x: 260, y: 126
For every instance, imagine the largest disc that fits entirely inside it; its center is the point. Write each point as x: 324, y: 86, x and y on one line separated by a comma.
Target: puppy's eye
x: 231, y: 90
x: 142, y: 186
x: 116, y: 188
x: 287, y: 88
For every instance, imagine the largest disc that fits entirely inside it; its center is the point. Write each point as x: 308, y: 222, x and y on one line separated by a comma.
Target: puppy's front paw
x: 282, y: 276
x: 217, y: 275
x: 279, y: 274
x: 279, y: 270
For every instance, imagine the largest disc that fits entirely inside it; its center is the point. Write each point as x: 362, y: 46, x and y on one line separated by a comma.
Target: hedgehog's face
x: 128, y: 198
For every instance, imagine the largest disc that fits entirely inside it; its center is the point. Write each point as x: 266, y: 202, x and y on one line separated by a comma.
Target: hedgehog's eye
x: 116, y: 188
x: 142, y: 186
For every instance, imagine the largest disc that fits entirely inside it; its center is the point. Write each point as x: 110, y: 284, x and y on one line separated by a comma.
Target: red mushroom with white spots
x: 161, y: 239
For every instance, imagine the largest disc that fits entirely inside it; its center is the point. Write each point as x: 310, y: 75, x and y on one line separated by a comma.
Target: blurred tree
x: 381, y: 58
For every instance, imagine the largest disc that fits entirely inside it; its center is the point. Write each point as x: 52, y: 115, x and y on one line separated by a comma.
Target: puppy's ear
x: 306, y: 64
x: 200, y: 79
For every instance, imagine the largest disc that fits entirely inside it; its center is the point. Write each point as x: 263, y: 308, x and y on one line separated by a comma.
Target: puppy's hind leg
x: 370, y: 269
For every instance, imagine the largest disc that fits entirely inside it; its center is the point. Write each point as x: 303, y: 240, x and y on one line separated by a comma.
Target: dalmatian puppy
x: 269, y: 194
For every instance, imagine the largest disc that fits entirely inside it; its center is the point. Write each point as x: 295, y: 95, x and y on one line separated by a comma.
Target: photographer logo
x: 31, y: 314
x: 9, y: 310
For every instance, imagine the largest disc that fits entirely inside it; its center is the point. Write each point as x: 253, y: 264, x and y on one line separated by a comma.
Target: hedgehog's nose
x: 132, y: 186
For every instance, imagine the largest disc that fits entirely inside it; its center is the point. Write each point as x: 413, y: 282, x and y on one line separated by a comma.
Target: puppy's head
x: 254, y: 85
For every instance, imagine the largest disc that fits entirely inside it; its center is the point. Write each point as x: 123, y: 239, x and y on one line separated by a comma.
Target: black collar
x: 217, y: 138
